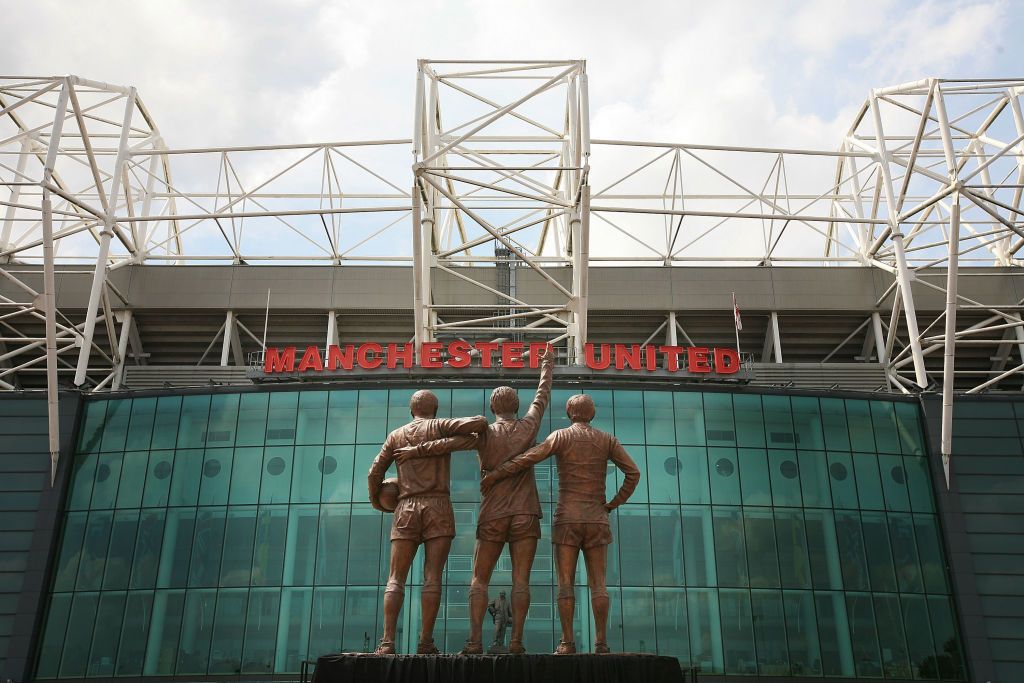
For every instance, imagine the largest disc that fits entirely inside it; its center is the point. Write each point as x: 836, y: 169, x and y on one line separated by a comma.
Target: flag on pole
x: 736, y: 313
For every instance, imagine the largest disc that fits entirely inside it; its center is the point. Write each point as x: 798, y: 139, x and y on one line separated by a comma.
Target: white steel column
x: 122, y: 350
x: 49, y: 285
x: 230, y: 338
x: 580, y: 265
x: 420, y: 272
x: 948, y: 379
x: 671, y: 334
x: 776, y: 337
x: 903, y: 273
x: 332, y: 329
x: 100, y: 273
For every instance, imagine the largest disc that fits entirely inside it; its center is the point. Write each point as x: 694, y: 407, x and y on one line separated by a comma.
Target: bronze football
x: 387, y: 497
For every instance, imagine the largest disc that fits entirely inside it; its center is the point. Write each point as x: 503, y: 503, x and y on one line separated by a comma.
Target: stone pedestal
x: 535, y: 668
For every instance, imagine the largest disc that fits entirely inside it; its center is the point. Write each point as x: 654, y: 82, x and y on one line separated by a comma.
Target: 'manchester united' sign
x: 506, y: 355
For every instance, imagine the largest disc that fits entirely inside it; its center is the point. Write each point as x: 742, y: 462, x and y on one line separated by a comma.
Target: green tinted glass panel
x: 699, y: 556
x: 749, y: 421
x: 841, y: 480
x: 762, y: 558
x: 140, y: 427
x: 220, y: 430
x: 115, y: 430
x: 341, y: 417
x: 196, y: 632
x: 134, y: 634
x: 662, y: 475
x: 730, y: 548
x: 311, y: 426
x: 802, y: 632
x: 834, y: 426
x: 252, y: 420
x: 228, y: 631
x: 133, y: 479
x: 215, y: 482
x: 778, y: 422
x: 629, y: 416
x: 784, y: 472
x: 694, y: 484
x: 372, y: 420
x: 807, y: 423
x: 689, y: 410
x: 862, y: 434
x: 725, y: 476
x: 659, y: 417
x: 794, y: 563
x: 769, y: 633
x: 755, y: 484
x: 718, y: 420
x: 281, y: 418
x: 195, y: 411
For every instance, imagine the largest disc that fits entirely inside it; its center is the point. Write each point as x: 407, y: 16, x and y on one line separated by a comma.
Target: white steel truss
x: 928, y: 180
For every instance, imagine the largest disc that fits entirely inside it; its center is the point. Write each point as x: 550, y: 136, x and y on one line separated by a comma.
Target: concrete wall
x: 627, y: 288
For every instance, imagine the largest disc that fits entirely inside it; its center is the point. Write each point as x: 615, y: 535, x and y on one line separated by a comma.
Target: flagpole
x: 735, y: 327
x: 266, y: 321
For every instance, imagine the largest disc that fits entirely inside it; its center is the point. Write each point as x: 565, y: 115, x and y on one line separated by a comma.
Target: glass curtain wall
x: 770, y: 535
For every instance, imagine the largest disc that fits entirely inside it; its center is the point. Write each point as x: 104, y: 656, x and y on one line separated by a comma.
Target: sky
x: 767, y: 73
x: 260, y: 72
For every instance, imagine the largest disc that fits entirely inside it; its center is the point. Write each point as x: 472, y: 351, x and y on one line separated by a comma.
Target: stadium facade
x: 825, y: 402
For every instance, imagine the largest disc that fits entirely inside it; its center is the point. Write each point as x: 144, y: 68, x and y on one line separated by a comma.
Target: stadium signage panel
x: 506, y: 355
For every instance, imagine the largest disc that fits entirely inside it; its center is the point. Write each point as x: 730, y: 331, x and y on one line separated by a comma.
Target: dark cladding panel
x: 28, y: 522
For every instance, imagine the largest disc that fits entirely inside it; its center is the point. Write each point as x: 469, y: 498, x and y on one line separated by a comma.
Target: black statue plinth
x: 529, y: 668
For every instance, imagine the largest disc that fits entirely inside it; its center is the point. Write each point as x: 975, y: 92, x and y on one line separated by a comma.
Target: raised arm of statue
x: 543, y: 396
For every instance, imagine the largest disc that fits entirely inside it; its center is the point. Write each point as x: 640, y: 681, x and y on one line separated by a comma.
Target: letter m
x: 283, y: 361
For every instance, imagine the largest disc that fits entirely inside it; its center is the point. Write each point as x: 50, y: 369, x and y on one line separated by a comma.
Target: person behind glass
x: 510, y: 512
x: 424, y: 512
x: 581, y: 517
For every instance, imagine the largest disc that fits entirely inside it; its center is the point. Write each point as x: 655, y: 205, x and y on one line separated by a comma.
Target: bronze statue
x: 510, y: 513
x: 581, y: 518
x: 424, y: 511
x: 501, y: 613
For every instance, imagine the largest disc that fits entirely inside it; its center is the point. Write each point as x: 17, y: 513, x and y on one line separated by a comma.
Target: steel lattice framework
x: 928, y: 178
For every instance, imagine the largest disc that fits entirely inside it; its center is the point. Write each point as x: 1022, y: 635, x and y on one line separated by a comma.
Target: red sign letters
x: 461, y: 354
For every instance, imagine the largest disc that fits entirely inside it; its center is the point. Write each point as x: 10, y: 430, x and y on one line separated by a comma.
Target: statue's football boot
x: 386, y: 647
x: 601, y: 648
x: 472, y: 648
x: 515, y: 647
x: 566, y: 647
x: 427, y: 647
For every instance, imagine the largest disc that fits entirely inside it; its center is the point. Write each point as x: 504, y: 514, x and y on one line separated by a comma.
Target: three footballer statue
x: 510, y: 509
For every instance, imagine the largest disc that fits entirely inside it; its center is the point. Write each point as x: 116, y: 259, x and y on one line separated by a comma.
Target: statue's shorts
x: 581, y: 534
x: 509, y: 529
x: 421, y: 518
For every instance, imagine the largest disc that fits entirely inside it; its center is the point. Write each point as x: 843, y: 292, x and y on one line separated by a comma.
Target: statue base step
x: 528, y: 668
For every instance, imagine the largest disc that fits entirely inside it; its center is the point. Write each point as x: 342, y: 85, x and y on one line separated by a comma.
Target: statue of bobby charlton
x: 581, y: 517
x: 510, y: 512
x: 424, y: 512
